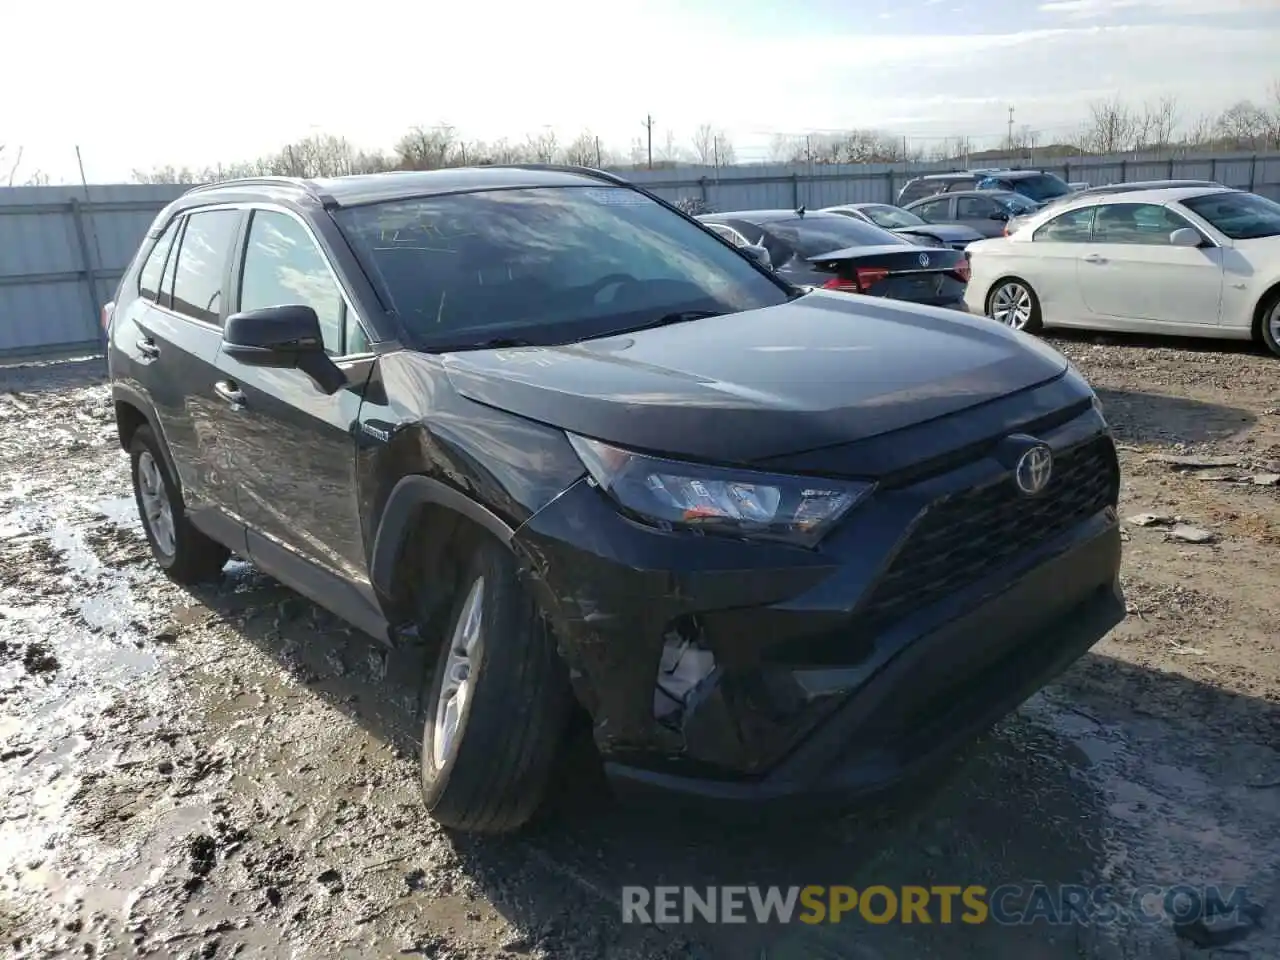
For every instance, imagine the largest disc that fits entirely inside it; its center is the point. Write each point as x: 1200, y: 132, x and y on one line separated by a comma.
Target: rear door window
x: 974, y: 208
x: 935, y: 212
x: 202, y: 262
x: 917, y: 189
x: 1074, y: 226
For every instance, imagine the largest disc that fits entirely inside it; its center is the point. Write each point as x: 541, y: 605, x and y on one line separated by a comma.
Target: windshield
x: 892, y: 218
x: 812, y: 236
x: 546, y: 265
x: 1241, y: 216
x: 1041, y: 187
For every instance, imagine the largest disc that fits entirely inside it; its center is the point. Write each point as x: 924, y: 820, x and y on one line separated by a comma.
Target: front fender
x: 405, y: 502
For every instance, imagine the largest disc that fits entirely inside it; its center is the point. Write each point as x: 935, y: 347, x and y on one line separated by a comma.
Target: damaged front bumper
x: 755, y: 672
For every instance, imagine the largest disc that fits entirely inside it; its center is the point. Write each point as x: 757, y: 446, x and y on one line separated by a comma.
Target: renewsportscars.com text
x: 1008, y: 904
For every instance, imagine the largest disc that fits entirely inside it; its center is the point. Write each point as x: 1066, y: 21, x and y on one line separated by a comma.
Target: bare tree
x: 1157, y: 124
x: 638, y: 152
x: 584, y: 150
x: 784, y: 148
x: 670, y: 151
x: 704, y: 144
x: 1110, y: 127
x: 1200, y: 132
x: 1243, y: 126
x: 426, y: 148
x: 13, y: 165
x: 542, y: 146
x: 725, y: 154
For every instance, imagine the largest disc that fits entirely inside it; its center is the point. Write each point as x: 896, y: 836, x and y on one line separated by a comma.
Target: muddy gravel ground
x: 231, y: 772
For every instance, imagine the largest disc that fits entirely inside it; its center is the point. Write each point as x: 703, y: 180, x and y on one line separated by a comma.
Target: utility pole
x: 715, y: 151
x: 598, y: 163
x: 1009, y: 139
x: 648, y: 125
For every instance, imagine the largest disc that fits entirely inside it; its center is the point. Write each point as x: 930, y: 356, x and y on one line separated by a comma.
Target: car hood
x: 823, y: 369
x: 950, y: 232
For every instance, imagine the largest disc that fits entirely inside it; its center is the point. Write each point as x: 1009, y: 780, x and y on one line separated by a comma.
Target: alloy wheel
x: 457, y: 675
x: 1011, y: 305
x: 157, y: 511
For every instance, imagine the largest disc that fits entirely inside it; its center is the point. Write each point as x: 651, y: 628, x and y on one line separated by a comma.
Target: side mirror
x: 286, y: 337
x: 1000, y: 215
x: 1185, y: 237
x: 758, y: 254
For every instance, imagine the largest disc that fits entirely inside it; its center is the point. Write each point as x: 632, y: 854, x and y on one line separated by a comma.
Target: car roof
x: 1149, y: 185
x: 982, y: 174
x: 768, y: 216
x: 357, y: 189
x: 1163, y: 195
x: 967, y: 193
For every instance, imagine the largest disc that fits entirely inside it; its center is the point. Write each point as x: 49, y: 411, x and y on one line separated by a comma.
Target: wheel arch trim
x: 407, y: 498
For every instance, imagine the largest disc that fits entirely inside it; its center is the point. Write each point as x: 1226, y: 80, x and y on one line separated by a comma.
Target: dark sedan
x: 906, y: 224
x: 842, y: 253
x: 987, y: 211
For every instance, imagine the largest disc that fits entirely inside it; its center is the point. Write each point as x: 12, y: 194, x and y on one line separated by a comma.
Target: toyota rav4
x: 771, y: 541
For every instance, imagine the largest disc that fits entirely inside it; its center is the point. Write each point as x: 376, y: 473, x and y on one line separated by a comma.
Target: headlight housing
x: 673, y: 495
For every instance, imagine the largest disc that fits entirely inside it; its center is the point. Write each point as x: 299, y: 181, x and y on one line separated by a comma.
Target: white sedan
x: 1191, y: 261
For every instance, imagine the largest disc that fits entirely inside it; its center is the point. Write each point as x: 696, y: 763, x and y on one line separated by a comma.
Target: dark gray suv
x: 599, y: 465
x: 1035, y: 185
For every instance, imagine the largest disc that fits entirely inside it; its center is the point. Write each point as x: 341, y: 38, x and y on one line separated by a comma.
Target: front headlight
x: 672, y: 495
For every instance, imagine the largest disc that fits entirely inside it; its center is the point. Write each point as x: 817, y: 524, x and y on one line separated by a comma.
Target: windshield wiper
x: 499, y: 343
x: 678, y: 316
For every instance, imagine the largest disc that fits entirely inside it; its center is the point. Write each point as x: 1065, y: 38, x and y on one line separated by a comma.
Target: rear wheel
x: 1013, y: 303
x: 182, y: 551
x: 1269, y: 324
x: 497, y: 704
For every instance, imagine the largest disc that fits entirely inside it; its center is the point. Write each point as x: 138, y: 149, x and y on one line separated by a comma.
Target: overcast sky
x: 141, y: 83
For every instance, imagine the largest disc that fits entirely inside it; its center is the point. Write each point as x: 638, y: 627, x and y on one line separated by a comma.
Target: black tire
x: 188, y: 557
x: 493, y: 776
x: 1034, y: 322
x: 1269, y: 323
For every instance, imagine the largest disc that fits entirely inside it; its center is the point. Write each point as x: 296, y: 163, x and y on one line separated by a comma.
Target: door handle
x: 229, y: 392
x: 1094, y: 258
x: 147, y: 347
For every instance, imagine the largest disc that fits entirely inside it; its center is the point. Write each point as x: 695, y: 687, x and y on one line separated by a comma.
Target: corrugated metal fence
x: 63, y: 249
x: 61, y: 255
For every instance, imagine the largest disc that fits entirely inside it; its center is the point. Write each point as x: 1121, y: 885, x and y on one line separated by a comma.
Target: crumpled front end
x: 707, y: 661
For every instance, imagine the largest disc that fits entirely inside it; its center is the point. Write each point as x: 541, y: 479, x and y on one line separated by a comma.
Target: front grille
x: 967, y: 536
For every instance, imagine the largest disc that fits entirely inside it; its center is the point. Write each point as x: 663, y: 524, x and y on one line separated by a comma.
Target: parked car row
x: 839, y: 252
x: 1198, y: 261
x: 1188, y: 257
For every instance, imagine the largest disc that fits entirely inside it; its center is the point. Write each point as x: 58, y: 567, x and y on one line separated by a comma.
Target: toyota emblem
x: 924, y: 259
x: 1033, y: 470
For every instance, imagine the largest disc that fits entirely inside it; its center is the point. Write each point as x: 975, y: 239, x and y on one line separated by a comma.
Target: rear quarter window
x: 153, y: 267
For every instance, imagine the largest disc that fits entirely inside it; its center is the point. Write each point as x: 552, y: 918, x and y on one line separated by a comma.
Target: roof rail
x: 296, y: 182
x: 569, y: 168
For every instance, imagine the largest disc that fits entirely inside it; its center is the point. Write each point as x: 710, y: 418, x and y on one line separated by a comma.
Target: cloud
x: 1101, y: 9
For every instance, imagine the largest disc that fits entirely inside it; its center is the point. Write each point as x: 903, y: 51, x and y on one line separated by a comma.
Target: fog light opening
x: 682, y: 669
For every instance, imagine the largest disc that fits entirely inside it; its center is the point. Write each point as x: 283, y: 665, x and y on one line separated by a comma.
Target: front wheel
x: 497, y: 704
x: 1013, y: 303
x: 1269, y: 326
